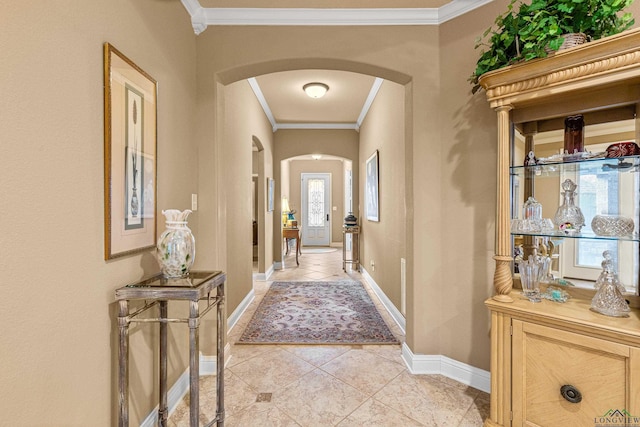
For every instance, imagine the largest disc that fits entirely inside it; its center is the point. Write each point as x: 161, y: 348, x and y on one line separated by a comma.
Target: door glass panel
x: 315, y: 212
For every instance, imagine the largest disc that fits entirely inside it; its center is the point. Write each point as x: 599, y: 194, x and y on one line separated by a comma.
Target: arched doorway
x: 274, y: 153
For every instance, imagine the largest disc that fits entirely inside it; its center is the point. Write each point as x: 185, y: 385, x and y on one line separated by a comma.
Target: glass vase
x: 568, y: 217
x: 176, y: 248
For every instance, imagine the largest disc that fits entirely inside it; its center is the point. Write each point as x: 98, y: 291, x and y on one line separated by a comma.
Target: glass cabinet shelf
x: 583, y: 235
x: 614, y: 164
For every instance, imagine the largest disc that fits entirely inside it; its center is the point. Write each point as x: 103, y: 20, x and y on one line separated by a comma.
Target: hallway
x: 331, y: 385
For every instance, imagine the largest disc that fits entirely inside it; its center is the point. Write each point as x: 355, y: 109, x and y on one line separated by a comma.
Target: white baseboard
x: 277, y: 265
x: 431, y: 364
x: 235, y: 316
x: 263, y: 277
x: 393, y: 311
x: 450, y: 368
x: 209, y: 364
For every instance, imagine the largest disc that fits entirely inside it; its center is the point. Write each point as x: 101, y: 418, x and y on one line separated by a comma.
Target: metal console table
x: 158, y: 291
x: 354, y: 232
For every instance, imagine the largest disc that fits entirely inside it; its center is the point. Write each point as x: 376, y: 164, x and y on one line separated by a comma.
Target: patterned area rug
x: 338, y: 312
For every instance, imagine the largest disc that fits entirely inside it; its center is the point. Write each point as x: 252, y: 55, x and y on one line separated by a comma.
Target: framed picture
x: 372, y: 196
x: 270, y: 192
x: 130, y: 97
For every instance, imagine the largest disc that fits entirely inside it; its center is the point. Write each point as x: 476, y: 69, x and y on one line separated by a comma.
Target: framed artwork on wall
x: 130, y: 143
x: 372, y: 197
x: 270, y: 192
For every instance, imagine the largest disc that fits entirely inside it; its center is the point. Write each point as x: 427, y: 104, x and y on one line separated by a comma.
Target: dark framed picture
x: 372, y: 196
x: 270, y: 194
x: 130, y: 96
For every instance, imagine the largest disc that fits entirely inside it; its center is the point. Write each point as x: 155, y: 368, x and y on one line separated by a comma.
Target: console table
x: 207, y: 286
x: 292, y: 233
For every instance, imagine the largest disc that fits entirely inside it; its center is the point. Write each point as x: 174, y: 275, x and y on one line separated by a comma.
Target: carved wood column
x: 502, y: 279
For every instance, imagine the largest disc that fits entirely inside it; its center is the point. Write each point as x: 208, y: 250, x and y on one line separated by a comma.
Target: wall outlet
x: 194, y: 202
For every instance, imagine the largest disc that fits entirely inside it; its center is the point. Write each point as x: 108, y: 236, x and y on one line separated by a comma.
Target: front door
x: 316, y: 224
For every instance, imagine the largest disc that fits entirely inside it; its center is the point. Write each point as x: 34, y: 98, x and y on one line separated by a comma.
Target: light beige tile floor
x: 314, y: 386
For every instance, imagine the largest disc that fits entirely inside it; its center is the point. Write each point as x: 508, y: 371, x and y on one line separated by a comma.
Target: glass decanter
x: 608, y: 299
x: 569, y: 218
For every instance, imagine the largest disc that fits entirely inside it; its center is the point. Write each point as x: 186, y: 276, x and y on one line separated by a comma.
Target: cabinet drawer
x: 545, y: 359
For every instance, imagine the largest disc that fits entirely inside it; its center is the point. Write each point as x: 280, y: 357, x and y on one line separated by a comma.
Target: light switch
x: 194, y: 202
x: 335, y: 208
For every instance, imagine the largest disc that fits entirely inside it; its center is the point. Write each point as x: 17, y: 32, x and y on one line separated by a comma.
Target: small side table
x: 158, y: 291
x: 354, y: 232
x: 293, y: 233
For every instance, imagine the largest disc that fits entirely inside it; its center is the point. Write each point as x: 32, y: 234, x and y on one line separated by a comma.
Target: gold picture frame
x: 130, y: 144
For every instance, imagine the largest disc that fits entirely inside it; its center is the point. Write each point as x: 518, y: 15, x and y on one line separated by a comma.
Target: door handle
x: 327, y: 217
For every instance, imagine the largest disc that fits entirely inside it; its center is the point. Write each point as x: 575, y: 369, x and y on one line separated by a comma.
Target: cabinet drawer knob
x: 570, y: 393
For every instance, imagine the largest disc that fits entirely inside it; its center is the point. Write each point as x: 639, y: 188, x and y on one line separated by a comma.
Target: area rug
x: 339, y: 312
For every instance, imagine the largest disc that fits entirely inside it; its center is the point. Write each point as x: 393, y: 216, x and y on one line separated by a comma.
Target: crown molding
x: 334, y: 17
x: 203, y: 17
x: 263, y: 102
x: 367, y: 104
x: 458, y: 8
x: 352, y: 126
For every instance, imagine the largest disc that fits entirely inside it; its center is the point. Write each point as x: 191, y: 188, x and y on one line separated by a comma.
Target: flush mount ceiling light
x: 315, y: 90
x: 316, y: 156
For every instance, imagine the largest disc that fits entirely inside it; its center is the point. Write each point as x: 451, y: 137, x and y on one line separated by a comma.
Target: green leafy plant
x: 536, y: 28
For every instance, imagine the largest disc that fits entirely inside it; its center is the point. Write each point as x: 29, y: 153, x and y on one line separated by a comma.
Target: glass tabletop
x: 191, y: 280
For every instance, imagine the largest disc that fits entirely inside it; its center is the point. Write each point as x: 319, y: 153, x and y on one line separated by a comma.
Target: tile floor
x: 303, y: 385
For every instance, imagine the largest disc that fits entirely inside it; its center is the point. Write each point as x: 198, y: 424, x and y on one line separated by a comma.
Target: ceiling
x: 287, y: 106
x: 346, y: 103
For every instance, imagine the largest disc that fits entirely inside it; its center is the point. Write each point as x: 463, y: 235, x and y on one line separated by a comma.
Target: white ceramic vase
x: 176, y: 248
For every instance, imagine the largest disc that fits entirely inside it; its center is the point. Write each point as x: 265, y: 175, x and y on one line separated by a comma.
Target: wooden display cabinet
x: 555, y: 364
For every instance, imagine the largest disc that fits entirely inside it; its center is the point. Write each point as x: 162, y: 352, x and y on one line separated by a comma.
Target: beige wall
x: 59, y: 328
x: 383, y: 242
x: 244, y: 122
x: 336, y: 169
x: 468, y: 135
